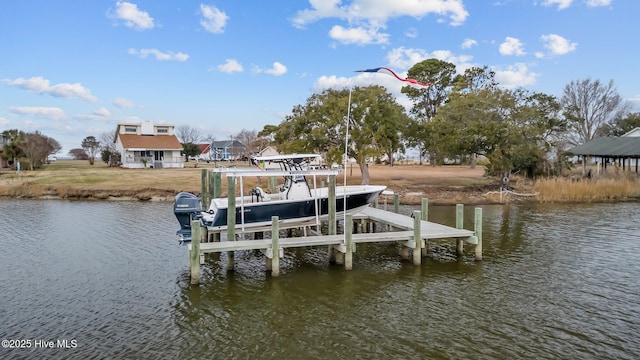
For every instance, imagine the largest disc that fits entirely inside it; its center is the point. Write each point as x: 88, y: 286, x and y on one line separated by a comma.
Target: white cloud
x: 230, y: 66
x: 332, y: 82
x: 104, y: 112
x: 557, y: 44
x: 123, y: 103
x: 214, y: 20
x: 159, y: 55
x: 49, y: 113
x: 515, y: 76
x: 366, y: 17
x: 381, y: 10
x: 511, y: 46
x: 4, y: 121
x: 94, y: 118
x: 276, y: 70
x: 562, y: 4
x: 411, y: 33
x: 468, y: 43
x: 132, y: 17
x: 405, y: 58
x: 366, y: 79
x: 596, y: 3
x: 41, y: 85
x: 358, y: 35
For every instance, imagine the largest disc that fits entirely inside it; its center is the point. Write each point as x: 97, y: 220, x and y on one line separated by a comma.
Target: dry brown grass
x: 71, y: 179
x: 619, y: 188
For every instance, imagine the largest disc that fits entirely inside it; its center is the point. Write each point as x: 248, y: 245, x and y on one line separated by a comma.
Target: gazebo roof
x: 610, y: 147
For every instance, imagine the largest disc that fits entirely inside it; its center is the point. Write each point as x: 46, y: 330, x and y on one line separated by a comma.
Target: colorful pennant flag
x: 410, y: 82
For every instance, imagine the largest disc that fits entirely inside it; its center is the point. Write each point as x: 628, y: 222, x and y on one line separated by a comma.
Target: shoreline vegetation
x: 442, y: 185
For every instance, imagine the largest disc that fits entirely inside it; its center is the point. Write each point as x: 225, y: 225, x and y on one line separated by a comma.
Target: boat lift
x: 241, y: 173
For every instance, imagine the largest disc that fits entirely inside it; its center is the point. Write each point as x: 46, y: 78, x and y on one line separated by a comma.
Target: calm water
x: 108, y: 280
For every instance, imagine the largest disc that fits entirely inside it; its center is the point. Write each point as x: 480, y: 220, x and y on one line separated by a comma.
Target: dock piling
x: 348, y: 231
x: 478, y: 233
x: 215, y: 191
x: 194, y: 252
x: 417, y: 238
x: 396, y: 203
x: 332, y: 226
x: 204, y: 194
x: 275, y: 247
x: 424, y: 215
x: 231, y: 219
x: 459, y: 225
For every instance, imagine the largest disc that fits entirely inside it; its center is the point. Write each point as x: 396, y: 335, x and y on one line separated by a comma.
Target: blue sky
x: 72, y: 69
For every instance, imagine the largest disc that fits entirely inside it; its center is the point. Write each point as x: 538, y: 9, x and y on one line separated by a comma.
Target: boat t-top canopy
x: 244, y: 172
x: 290, y: 166
x: 295, y: 158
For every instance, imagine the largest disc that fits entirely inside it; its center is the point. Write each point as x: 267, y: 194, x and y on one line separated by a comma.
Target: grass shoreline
x: 444, y: 185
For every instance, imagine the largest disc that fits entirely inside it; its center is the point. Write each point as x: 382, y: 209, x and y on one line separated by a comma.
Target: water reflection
x: 557, y: 281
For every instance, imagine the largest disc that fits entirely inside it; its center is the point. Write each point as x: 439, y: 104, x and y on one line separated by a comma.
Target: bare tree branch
x: 187, y: 134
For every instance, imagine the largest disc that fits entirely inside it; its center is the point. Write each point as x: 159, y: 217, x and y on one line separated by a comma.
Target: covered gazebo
x: 623, y: 151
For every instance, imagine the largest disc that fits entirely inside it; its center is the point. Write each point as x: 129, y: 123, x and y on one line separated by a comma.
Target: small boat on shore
x: 295, y: 200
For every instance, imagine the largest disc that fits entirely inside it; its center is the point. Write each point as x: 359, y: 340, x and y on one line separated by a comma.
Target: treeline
x: 458, y: 118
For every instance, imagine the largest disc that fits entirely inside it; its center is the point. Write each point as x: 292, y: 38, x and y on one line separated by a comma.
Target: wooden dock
x: 412, y: 233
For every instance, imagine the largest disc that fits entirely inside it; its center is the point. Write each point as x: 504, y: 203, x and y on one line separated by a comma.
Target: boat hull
x: 260, y: 213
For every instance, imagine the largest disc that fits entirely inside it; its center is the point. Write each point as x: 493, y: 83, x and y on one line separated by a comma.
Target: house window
x: 130, y: 129
x: 163, y: 130
x: 144, y: 153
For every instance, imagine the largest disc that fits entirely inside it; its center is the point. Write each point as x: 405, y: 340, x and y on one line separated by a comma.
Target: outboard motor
x: 186, y: 208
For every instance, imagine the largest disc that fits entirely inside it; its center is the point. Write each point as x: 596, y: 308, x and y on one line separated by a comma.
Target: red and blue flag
x: 410, y: 82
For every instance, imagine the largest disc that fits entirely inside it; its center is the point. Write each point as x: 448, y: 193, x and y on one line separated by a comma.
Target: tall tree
x: 187, y: 134
x: 54, y: 146
x: 623, y: 125
x: 91, y: 146
x: 319, y: 126
x: 591, y: 106
x: 190, y: 150
x: 440, y: 75
x: 12, y: 150
x: 475, y: 79
x: 209, y: 138
x: 108, y: 151
x: 251, y: 141
x: 37, y: 147
x: 78, y: 154
x: 513, y: 129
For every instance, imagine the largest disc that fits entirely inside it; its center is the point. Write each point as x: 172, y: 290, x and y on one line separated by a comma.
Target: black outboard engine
x: 186, y: 208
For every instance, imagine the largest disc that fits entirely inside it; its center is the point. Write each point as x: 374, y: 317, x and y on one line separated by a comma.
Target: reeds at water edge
x: 624, y: 187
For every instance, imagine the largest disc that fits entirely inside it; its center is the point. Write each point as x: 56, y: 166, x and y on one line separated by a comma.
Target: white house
x: 268, y: 151
x: 633, y: 133
x: 145, y: 145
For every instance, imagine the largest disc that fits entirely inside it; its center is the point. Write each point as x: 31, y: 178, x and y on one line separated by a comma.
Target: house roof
x: 204, y: 148
x: 227, y: 143
x: 634, y: 132
x: 610, y: 146
x: 155, y: 142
